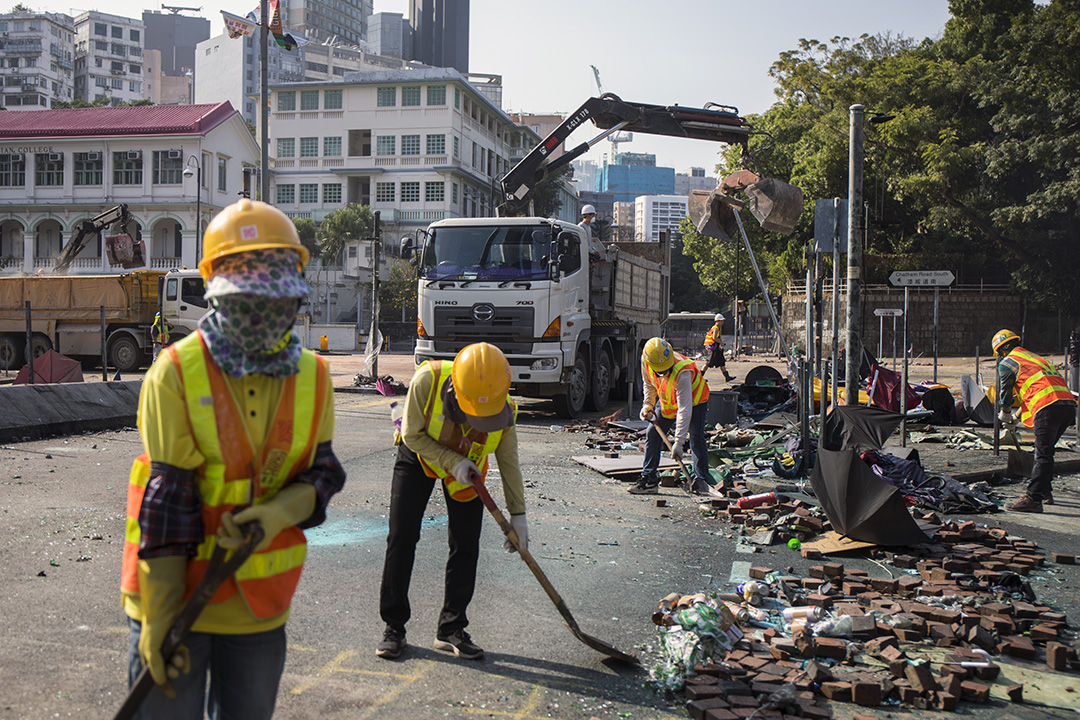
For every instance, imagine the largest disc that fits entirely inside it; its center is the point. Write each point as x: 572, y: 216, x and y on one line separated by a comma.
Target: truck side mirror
x: 408, y: 248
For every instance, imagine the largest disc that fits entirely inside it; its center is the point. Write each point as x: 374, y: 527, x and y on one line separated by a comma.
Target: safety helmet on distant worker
x: 481, y: 377
x: 659, y: 354
x: 719, y: 317
x: 1002, y: 338
x: 249, y: 225
x: 588, y: 210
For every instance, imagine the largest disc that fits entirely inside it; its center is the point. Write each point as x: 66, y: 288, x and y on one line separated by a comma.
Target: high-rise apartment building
x: 340, y: 21
x: 175, y: 36
x: 109, y: 57
x: 696, y: 179
x: 636, y: 174
x: 441, y: 33
x: 653, y: 213
x: 389, y: 34
x: 37, y: 59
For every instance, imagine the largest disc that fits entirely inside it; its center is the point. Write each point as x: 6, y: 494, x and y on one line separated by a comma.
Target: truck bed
x: 130, y: 298
x: 643, y: 284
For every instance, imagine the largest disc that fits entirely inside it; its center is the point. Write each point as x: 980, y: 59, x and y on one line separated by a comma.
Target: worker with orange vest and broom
x: 1046, y: 405
x: 236, y: 421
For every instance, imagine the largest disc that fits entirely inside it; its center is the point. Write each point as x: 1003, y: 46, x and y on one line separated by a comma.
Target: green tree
x: 308, y: 230
x: 715, y: 264
x: 687, y: 291
x: 350, y: 223
x: 547, y: 200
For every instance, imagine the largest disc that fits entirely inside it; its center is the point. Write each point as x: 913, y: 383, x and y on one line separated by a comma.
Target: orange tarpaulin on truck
x: 51, y: 367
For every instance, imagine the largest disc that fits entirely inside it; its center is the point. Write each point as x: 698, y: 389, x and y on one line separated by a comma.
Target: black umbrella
x: 859, y: 504
x: 859, y: 427
x: 978, y: 406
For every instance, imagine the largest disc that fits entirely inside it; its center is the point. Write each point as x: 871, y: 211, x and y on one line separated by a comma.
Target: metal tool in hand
x: 222, y: 566
x: 688, y: 486
x: 508, y: 531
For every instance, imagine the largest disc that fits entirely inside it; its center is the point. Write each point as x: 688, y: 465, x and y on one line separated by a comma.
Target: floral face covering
x: 250, y: 334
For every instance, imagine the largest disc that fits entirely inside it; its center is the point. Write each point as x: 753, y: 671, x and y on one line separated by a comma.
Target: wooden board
x: 625, y: 463
x: 832, y: 542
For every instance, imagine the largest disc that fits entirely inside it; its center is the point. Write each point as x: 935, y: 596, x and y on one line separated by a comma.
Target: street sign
x: 888, y: 312
x: 921, y: 278
x: 823, y: 225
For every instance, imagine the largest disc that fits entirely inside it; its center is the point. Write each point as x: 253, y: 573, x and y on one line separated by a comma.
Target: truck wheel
x: 125, y: 354
x: 39, y: 345
x: 600, y: 388
x: 570, y: 403
x: 11, y: 352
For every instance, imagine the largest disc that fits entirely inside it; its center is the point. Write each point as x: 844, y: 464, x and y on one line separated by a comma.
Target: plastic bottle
x: 752, y: 592
x: 803, y: 613
x: 752, y: 501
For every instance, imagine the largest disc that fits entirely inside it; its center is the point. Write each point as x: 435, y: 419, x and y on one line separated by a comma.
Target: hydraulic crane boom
x: 609, y: 113
x: 87, y: 229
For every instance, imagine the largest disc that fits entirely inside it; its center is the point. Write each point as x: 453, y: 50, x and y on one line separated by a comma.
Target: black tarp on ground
x: 858, y: 427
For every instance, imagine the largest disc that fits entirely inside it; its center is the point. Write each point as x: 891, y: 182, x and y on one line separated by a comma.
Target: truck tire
x: 569, y: 404
x: 39, y: 345
x: 600, y: 387
x: 124, y: 353
x: 11, y: 352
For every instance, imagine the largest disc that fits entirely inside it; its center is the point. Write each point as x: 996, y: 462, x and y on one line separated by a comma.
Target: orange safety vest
x: 1039, y: 384
x: 712, y: 336
x: 466, y: 441
x: 666, y: 385
x: 236, y: 474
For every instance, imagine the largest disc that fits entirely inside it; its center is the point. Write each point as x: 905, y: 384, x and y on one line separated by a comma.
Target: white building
x: 58, y: 167
x: 417, y: 145
x: 109, y: 53
x: 37, y: 60
x: 653, y: 213
x: 696, y: 179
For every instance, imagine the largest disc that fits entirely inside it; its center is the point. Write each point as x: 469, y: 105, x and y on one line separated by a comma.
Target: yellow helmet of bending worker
x: 248, y: 225
x: 659, y: 354
x: 481, y: 376
x: 1002, y: 338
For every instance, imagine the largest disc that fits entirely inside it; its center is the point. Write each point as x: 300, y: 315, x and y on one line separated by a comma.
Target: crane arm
x: 86, y: 229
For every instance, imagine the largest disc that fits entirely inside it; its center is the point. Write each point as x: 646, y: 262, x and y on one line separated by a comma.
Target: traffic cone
x: 116, y: 377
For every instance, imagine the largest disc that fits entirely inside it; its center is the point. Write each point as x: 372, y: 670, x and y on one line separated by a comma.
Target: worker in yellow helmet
x: 1046, y: 405
x: 456, y: 414
x: 714, y: 346
x: 236, y: 421
x: 673, y: 382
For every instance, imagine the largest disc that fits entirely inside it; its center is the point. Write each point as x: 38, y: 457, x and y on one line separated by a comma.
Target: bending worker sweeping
x: 236, y: 420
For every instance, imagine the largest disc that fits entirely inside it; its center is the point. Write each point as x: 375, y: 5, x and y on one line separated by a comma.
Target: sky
x: 685, y: 52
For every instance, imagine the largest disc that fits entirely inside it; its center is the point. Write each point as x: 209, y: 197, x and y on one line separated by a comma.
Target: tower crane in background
x: 617, y: 137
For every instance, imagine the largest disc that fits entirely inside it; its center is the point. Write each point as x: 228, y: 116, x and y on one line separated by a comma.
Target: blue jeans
x: 699, y: 447
x: 244, y: 674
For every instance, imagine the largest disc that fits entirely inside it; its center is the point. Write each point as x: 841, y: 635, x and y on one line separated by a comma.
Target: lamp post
x: 198, y: 200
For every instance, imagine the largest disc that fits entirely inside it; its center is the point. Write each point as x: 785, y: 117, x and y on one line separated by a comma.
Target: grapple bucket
x: 711, y: 215
x: 776, y: 204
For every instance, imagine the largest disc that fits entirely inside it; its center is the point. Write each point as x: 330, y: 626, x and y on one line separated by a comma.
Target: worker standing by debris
x: 714, y: 345
x: 674, y: 382
x: 159, y: 331
x: 1046, y: 405
x: 588, y: 214
x: 456, y: 415
x: 237, y: 422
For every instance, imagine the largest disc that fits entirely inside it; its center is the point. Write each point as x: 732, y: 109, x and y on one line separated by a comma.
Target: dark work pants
x: 1050, y: 425
x: 410, y: 491
x: 699, y: 446
x: 716, y: 359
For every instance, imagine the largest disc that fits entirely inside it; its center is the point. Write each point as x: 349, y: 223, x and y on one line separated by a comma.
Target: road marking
x: 336, y: 666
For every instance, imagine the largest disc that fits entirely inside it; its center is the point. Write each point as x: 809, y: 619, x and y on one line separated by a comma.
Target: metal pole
x: 978, y: 375
x: 997, y: 407
x: 894, y: 340
x: 808, y: 335
x: 198, y: 212
x: 880, y: 333
x: 735, y: 303
x: 29, y: 345
x: 819, y: 320
x: 834, y: 373
x: 903, y: 378
x: 761, y: 283
x: 104, y: 359
x: 264, y: 99
x: 854, y: 258
x: 936, y: 293
x: 375, y: 297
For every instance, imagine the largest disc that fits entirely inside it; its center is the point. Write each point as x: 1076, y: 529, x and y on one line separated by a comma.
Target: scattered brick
x: 1063, y: 558
x: 1057, y: 656
x: 837, y: 691
x: 920, y: 677
x: 698, y: 708
x: 1015, y: 693
x: 867, y: 694
x: 833, y: 648
x: 974, y: 692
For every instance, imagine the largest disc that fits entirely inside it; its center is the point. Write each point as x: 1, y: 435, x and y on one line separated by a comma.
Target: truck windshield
x: 487, y: 253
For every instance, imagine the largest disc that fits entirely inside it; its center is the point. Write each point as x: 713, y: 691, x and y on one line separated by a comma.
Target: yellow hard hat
x: 659, y: 354
x: 248, y: 225
x: 1001, y: 338
x: 481, y: 376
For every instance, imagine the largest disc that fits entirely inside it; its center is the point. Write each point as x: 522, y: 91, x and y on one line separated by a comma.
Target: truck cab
x: 181, y: 301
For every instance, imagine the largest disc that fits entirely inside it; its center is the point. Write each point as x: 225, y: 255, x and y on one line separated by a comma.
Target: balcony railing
x: 165, y: 263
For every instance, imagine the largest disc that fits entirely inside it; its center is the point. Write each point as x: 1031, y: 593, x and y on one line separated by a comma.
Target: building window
x: 384, y: 192
x: 384, y: 145
x: 453, y: 193
x: 286, y: 147
x: 410, y: 192
x: 286, y: 101
x: 436, y: 144
x: 436, y: 95
x: 309, y: 147
x: 456, y: 144
x: 286, y: 194
x: 222, y: 168
x: 309, y: 193
x: 410, y: 144
x: 387, y: 97
x: 101, y: 29
x: 12, y: 170
x: 332, y: 99
x: 133, y: 86
x: 133, y: 35
x: 332, y: 146
x: 137, y: 70
x: 309, y: 100
x: 331, y: 194
x: 117, y: 84
x: 168, y: 170
x: 434, y: 191
x: 88, y: 168
x: 49, y: 168
x: 457, y: 99
x: 118, y: 32
x: 101, y: 82
x: 410, y: 96
x: 103, y: 46
x: 117, y: 67
x: 127, y: 168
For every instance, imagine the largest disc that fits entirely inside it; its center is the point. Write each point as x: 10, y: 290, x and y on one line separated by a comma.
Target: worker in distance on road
x: 1046, y: 405
x: 714, y: 345
x: 674, y: 382
x: 588, y: 214
x: 236, y: 421
x: 159, y: 332
x: 455, y: 415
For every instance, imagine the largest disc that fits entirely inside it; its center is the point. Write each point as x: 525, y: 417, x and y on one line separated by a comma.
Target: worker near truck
x: 456, y: 414
x: 714, y: 346
x: 236, y: 422
x: 159, y: 332
x: 596, y: 248
x: 673, y: 382
x: 1046, y: 405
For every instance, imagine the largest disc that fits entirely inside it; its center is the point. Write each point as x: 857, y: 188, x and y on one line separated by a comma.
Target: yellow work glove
x: 161, y: 587
x: 291, y: 506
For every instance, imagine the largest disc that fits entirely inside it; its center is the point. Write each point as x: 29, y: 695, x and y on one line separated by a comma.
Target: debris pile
x: 384, y: 384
